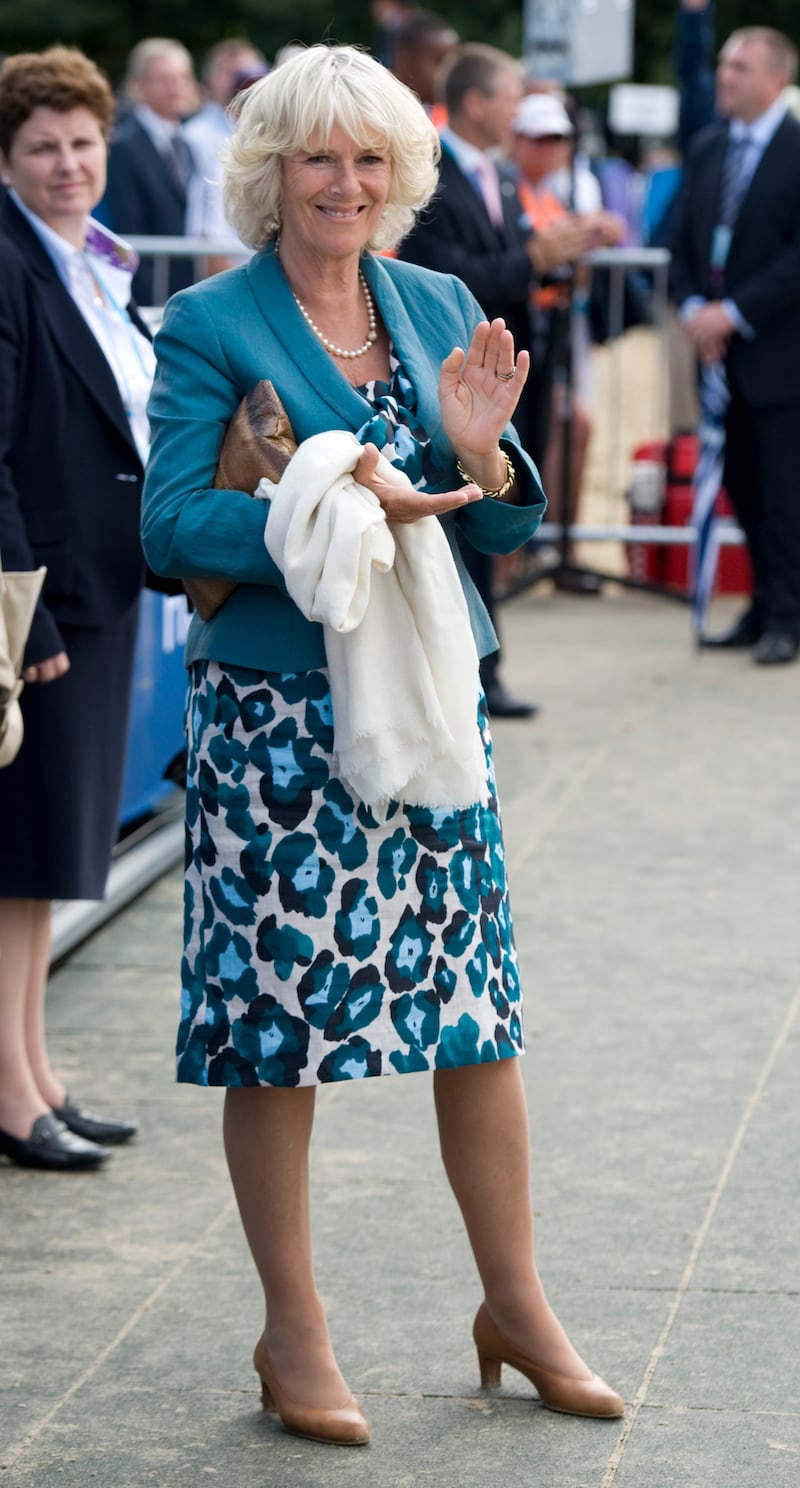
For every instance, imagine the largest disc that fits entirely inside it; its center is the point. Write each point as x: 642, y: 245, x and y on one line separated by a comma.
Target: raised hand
x: 477, y: 396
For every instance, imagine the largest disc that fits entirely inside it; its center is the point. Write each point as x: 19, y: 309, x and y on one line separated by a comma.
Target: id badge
x: 720, y: 247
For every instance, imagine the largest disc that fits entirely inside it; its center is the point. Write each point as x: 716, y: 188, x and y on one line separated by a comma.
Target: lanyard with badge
x: 107, y: 297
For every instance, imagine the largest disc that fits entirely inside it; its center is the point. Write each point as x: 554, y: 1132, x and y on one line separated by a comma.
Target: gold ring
x: 506, y: 376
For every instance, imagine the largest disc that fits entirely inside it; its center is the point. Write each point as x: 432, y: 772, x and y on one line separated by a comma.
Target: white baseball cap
x: 540, y: 114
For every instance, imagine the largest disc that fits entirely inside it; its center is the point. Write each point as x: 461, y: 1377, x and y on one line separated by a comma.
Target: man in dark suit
x: 736, y: 280
x: 150, y: 163
x: 475, y: 228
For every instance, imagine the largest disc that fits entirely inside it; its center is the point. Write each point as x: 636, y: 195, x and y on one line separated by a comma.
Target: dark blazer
x: 70, y: 475
x: 455, y: 235
x: 762, y: 275
x: 144, y: 196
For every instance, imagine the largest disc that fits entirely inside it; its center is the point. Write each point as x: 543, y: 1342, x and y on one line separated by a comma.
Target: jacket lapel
x: 69, y: 329
x: 714, y: 165
x: 405, y: 340
x: 279, y: 309
x: 514, y: 231
x: 466, y: 201
x: 760, y: 181
x: 157, y: 165
x: 277, y: 304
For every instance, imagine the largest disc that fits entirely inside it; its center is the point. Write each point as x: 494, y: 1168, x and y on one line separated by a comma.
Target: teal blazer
x: 218, y: 339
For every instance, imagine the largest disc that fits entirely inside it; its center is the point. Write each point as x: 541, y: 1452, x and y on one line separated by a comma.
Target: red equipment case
x: 668, y: 565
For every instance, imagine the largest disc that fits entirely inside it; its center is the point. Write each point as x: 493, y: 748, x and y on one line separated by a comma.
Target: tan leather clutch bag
x: 18, y: 595
x: 258, y: 443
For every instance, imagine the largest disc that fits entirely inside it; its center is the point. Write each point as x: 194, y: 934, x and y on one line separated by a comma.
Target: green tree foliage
x: 107, y: 29
x: 655, y: 22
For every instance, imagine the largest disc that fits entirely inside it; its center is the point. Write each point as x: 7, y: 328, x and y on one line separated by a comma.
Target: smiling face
x: 57, y: 166
x: 333, y: 196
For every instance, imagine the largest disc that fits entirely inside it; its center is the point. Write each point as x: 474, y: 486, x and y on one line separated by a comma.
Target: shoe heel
x: 491, y: 1370
x: 267, y: 1402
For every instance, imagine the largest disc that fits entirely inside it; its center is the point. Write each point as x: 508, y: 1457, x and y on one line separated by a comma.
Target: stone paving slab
x: 653, y: 836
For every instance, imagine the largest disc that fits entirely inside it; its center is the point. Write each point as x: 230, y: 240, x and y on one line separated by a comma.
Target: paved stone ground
x: 653, y: 830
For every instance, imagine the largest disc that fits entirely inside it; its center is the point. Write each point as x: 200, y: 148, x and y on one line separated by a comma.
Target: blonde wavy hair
x: 306, y: 97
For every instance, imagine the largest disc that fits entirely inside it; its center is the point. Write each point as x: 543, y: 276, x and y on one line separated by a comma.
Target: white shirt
x: 101, y: 289
x: 205, y: 134
x: 588, y: 191
x: 161, y: 131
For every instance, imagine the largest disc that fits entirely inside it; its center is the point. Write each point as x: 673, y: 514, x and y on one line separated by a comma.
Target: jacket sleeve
x: 685, y: 278
x: 44, y: 639
x: 774, y: 292
x: 190, y: 529
x: 501, y: 526
x: 124, y: 207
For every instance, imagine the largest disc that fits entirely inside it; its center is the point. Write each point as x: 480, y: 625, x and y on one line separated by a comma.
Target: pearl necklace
x: 338, y: 351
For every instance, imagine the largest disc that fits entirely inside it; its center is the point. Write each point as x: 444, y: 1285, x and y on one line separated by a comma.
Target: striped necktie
x: 181, y: 160
x: 735, y: 180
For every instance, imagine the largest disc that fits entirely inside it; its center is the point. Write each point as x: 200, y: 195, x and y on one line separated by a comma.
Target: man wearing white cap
x: 548, y: 186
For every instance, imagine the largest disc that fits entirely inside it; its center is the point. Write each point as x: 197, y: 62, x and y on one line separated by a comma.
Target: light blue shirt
x: 468, y: 157
x: 758, y: 135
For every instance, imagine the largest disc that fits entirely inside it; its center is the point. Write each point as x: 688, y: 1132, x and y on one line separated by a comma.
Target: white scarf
x: 401, y: 656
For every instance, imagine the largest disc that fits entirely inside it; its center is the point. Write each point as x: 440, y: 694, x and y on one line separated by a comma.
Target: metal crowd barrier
x: 163, y: 250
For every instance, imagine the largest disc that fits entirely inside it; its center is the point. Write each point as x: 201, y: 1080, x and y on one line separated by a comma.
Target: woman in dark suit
x: 75, y: 371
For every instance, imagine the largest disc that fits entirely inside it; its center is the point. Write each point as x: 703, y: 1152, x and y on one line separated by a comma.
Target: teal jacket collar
x: 277, y: 304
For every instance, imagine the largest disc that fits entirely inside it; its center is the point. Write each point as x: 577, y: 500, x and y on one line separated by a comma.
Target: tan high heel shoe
x: 558, y: 1392
x: 343, y: 1427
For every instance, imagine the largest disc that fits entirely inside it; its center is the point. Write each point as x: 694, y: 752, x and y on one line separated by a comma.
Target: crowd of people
x: 383, y: 362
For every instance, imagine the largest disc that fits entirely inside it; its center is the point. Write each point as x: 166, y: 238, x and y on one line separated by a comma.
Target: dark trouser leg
x: 741, y: 482
x: 778, y: 452
x: 762, y: 481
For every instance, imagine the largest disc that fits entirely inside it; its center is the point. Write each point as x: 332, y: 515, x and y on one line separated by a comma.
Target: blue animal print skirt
x: 322, y: 943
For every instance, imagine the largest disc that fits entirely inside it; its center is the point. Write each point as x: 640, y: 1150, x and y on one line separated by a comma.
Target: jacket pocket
x: 48, y: 530
x: 46, y: 526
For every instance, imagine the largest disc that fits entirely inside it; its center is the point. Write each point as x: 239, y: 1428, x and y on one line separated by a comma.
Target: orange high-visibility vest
x: 541, y: 209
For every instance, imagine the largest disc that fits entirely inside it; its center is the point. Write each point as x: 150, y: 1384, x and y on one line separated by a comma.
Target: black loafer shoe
x: 51, y: 1145
x: 776, y: 647
x: 576, y: 581
x: 746, y: 632
x: 502, y: 704
x: 94, y: 1128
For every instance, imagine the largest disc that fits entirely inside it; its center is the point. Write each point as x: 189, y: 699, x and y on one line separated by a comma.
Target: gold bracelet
x: 499, y: 492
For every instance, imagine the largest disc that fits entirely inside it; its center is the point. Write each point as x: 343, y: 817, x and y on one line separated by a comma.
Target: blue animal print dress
x: 322, y: 942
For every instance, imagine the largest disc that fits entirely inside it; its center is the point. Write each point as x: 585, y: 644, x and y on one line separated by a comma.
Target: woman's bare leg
x: 24, y: 928
x: 267, y: 1133
x: 483, y: 1131
x: 50, y: 1088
